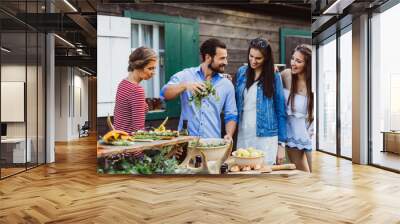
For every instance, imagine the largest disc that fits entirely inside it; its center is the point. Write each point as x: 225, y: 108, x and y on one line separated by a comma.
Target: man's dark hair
x: 210, y: 47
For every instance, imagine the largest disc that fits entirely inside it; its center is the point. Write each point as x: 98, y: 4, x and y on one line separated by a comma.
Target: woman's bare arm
x: 287, y: 78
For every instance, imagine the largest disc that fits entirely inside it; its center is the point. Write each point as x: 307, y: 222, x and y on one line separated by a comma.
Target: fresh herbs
x: 117, y: 164
x: 119, y: 142
x: 157, y: 164
x: 207, y: 144
x: 149, y: 164
x: 122, y: 143
x: 156, y: 133
x: 198, y: 97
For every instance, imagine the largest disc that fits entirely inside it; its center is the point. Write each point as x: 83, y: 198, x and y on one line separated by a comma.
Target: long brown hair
x: 267, y: 75
x: 305, y: 50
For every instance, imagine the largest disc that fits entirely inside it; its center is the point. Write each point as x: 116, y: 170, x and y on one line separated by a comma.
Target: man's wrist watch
x: 281, y: 144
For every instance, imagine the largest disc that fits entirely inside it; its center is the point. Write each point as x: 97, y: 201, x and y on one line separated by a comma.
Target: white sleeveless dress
x: 247, y: 136
x: 298, y: 129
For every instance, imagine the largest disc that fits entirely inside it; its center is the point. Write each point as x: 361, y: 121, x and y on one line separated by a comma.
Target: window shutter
x: 181, y: 51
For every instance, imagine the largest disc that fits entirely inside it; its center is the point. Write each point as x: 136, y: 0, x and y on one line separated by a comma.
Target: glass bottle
x: 197, y: 163
x: 184, y: 131
x: 224, y: 168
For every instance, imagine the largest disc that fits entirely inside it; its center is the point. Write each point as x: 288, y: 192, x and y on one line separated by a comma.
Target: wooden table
x: 13, y: 150
x: 391, y: 141
x: 283, y: 173
x: 286, y: 172
x: 107, y: 150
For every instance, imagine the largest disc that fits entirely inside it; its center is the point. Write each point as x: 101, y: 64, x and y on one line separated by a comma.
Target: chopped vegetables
x: 118, y: 138
x: 207, y: 144
x: 156, y: 133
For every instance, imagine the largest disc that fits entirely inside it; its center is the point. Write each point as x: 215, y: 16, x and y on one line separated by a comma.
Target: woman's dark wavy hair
x: 305, y: 50
x: 266, y: 79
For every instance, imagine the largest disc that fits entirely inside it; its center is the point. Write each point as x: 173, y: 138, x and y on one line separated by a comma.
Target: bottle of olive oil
x: 197, y: 163
x: 224, y: 168
x: 184, y: 131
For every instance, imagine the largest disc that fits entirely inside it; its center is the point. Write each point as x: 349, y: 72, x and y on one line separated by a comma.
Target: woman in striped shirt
x: 130, y: 105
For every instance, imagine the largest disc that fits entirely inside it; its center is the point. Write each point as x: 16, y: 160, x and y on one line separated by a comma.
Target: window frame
x: 173, y: 107
x: 379, y: 10
x: 334, y: 36
x: 342, y: 32
x: 155, y: 46
x: 331, y: 38
x: 285, y: 32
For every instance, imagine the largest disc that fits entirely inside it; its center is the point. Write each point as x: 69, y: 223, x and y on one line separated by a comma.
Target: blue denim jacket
x: 271, y: 112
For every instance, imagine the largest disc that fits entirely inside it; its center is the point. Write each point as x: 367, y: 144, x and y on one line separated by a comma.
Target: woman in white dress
x: 299, y: 101
x: 261, y: 104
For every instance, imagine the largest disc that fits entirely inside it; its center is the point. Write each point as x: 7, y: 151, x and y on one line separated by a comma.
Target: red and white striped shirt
x: 130, y: 107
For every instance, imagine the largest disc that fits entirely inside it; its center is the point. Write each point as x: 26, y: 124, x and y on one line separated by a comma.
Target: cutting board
x: 285, y: 169
x: 107, y: 150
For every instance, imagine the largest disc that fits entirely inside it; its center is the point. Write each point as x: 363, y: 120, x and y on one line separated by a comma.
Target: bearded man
x: 205, y: 121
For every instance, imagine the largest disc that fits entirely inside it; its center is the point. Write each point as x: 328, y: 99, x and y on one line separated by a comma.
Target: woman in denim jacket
x: 261, y: 104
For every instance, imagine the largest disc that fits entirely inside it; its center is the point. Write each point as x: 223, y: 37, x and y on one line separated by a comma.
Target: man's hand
x: 172, y: 91
x: 280, y: 156
x: 178, y: 152
x: 228, y: 138
x: 230, y: 131
x: 194, y: 87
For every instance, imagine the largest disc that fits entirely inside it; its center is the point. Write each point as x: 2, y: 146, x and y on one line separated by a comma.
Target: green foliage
x: 119, y: 142
x: 155, y: 134
x: 149, y: 164
x: 198, y: 97
x: 122, y: 143
x: 206, y: 145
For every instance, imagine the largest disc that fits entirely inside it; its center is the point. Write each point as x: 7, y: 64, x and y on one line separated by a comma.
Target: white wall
x: 61, y: 103
x: 33, y: 127
x: 71, y: 94
x: 81, y: 96
x: 13, y: 73
x: 113, y: 49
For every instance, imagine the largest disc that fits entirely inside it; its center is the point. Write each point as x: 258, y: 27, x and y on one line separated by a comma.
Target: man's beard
x: 219, y: 69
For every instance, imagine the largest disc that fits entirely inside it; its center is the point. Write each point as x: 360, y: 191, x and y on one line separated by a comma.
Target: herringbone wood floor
x: 70, y: 191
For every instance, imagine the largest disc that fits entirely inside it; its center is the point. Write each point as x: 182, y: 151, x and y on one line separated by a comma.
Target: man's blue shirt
x: 206, y: 121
